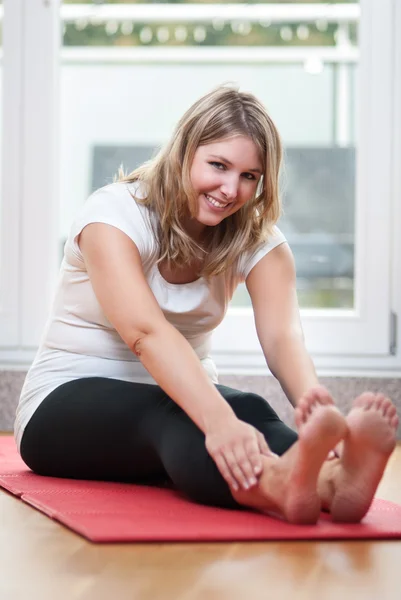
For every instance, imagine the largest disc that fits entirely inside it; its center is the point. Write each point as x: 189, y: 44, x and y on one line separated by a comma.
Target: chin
x: 209, y: 220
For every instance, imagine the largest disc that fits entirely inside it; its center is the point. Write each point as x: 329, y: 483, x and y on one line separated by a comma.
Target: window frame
x: 10, y: 176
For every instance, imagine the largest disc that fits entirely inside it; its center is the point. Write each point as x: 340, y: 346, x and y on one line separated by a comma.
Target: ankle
x: 269, y: 492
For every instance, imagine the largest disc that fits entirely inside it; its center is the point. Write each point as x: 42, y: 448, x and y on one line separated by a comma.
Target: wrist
x: 217, y: 417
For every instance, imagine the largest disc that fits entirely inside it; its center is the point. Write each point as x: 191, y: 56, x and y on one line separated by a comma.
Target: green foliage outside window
x: 206, y: 34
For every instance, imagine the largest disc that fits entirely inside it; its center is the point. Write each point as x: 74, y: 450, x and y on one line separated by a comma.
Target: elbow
x: 138, y: 340
x: 137, y: 346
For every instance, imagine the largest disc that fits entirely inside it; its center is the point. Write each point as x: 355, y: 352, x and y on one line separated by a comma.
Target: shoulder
x: 116, y: 196
x: 250, y: 258
x: 115, y: 204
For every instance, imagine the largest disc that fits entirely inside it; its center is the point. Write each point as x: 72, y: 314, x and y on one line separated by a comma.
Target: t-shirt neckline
x: 195, y: 283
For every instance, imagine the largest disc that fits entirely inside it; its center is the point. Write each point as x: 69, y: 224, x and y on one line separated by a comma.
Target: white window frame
x: 29, y: 173
x: 348, y: 342
x: 11, y: 183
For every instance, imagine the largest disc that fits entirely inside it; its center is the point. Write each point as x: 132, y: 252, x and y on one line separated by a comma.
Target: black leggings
x: 112, y: 430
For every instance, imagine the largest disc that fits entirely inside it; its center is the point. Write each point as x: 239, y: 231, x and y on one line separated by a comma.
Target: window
x: 132, y: 64
x: 324, y: 71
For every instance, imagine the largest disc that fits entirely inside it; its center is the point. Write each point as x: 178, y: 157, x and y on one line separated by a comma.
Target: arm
x: 114, y: 266
x: 272, y: 287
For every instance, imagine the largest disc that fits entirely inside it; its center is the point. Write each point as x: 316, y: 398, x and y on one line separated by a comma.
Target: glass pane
x: 303, y: 68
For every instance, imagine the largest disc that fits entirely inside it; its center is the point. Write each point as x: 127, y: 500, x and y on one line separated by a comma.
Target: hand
x: 237, y: 447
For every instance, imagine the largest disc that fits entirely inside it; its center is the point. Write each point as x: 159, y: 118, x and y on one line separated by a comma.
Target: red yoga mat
x: 122, y: 512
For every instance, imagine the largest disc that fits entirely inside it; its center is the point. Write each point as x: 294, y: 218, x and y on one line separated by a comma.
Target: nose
x: 229, y: 187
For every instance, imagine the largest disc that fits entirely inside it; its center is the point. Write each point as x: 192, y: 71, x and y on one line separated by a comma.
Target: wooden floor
x: 42, y: 560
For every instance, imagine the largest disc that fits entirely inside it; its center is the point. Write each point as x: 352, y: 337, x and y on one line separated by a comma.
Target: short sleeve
x: 250, y: 259
x: 112, y: 205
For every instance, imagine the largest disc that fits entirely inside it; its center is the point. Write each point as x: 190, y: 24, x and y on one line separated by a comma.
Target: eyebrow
x: 231, y: 164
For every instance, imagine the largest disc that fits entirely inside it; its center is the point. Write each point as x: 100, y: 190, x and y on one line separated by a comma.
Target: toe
x: 378, y: 402
x: 299, y: 415
x: 310, y: 395
x: 386, y: 406
x: 365, y: 401
x: 312, y: 406
x: 303, y: 404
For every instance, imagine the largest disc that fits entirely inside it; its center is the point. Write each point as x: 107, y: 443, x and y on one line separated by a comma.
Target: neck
x: 197, y: 231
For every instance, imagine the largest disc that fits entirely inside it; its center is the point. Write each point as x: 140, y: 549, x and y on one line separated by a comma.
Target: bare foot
x: 287, y: 486
x: 371, y: 438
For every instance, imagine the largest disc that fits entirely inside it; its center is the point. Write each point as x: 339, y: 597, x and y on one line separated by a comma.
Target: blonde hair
x: 223, y: 113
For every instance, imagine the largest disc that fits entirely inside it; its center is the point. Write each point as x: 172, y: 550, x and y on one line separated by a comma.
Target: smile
x: 211, y: 201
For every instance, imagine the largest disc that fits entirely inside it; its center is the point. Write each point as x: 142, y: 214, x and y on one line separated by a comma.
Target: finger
x: 235, y: 462
x: 225, y: 471
x: 249, y: 459
x: 263, y: 446
x: 323, y: 394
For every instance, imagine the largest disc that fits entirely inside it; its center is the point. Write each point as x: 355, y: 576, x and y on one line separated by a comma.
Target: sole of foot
x: 320, y: 427
x: 289, y: 483
x: 368, y: 445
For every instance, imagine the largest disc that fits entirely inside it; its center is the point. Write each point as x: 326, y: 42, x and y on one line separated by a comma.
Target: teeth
x: 214, y: 202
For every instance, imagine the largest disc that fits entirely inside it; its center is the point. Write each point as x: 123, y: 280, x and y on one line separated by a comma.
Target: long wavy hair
x: 166, y: 188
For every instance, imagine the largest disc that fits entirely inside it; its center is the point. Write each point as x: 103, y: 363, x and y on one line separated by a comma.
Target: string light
x: 321, y: 25
x: 111, y: 27
x: 244, y: 28
x: 218, y: 24
x: 146, y: 35
x: 303, y: 32
x: 127, y: 27
x: 286, y: 33
x: 199, y: 34
x: 180, y: 34
x: 163, y: 34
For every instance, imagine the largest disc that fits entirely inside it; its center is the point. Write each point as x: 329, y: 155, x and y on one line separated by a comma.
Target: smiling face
x: 225, y: 175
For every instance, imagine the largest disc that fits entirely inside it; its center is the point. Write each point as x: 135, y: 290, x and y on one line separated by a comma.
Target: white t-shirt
x: 78, y: 340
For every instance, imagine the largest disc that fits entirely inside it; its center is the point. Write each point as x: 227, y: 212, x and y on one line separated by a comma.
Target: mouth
x: 215, y: 204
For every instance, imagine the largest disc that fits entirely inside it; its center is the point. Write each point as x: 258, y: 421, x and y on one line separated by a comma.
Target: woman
x: 123, y: 386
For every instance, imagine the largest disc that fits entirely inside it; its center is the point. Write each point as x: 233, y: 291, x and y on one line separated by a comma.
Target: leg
x: 288, y: 485
x: 106, y: 429
x: 148, y: 435
x: 90, y: 428
x: 347, y: 485
x: 181, y: 446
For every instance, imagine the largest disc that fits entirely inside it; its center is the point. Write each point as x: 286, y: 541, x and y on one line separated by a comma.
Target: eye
x: 217, y: 165
x: 249, y: 176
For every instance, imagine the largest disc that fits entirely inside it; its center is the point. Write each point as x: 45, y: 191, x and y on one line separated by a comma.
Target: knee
x: 253, y: 408
x: 194, y: 472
